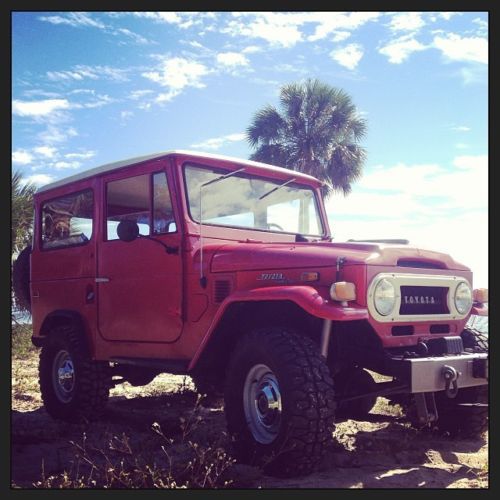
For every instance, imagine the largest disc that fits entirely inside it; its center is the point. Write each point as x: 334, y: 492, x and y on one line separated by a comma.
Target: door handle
x: 101, y: 280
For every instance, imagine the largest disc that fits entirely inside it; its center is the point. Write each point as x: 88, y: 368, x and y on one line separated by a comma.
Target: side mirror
x: 127, y: 230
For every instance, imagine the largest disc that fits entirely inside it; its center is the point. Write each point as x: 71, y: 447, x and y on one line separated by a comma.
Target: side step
x: 174, y: 366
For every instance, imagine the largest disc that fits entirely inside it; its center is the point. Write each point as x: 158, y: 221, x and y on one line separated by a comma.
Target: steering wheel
x: 270, y: 225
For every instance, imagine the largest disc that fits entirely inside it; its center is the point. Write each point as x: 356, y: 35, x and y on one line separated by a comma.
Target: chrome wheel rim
x: 63, y: 376
x: 262, y: 403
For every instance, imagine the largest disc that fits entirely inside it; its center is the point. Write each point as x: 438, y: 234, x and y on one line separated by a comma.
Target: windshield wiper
x: 277, y: 187
x: 221, y: 177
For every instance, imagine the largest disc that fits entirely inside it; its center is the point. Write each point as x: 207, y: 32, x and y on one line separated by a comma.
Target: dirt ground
x: 382, y: 451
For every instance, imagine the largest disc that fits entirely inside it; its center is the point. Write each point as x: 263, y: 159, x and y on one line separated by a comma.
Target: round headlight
x: 384, y: 297
x: 463, y: 298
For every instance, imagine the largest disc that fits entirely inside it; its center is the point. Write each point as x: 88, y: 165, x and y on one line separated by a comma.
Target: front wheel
x: 279, y: 402
x: 72, y: 385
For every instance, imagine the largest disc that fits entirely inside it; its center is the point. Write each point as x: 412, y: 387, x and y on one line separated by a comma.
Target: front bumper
x: 428, y: 374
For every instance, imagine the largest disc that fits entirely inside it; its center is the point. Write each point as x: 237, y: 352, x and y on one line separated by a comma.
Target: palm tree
x: 317, y: 132
x: 22, y: 212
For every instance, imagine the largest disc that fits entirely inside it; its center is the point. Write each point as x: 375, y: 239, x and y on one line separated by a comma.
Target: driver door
x: 139, y: 283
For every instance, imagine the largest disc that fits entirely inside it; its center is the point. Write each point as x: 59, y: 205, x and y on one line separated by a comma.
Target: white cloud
x: 37, y: 109
x: 284, y: 29
x: 21, y: 157
x: 474, y: 74
x: 178, y: 73
x: 231, y: 59
x: 432, y: 206
x: 183, y: 20
x: 407, y: 21
x: 133, y: 36
x: 338, y: 23
x: 471, y: 162
x: 86, y: 20
x: 218, y: 142
x: 483, y: 26
x: 165, y: 97
x: 274, y: 28
x: 46, y: 151
x: 138, y: 94
x: 126, y: 115
x: 75, y: 19
x: 84, y: 155
x: 348, y: 56
x: 463, y: 236
x: 100, y: 100
x: 457, y: 48
x: 400, y: 49
x: 461, y: 128
x: 448, y: 15
x: 39, y: 179
x: 252, y: 49
x: 436, y: 182
x: 340, y: 36
x: 66, y: 164
x: 54, y: 134
x: 82, y: 71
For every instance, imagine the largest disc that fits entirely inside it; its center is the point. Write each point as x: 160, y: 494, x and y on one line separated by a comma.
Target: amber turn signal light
x: 480, y: 295
x: 343, y: 291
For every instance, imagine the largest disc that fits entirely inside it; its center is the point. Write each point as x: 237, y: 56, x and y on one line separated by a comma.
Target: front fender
x: 306, y: 297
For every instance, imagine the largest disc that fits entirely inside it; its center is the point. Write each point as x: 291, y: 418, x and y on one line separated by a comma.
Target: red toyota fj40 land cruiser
x: 225, y: 270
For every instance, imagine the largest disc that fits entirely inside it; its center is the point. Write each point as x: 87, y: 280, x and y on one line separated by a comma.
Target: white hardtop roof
x: 139, y: 159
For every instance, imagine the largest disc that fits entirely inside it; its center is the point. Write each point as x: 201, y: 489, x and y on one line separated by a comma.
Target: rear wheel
x: 72, y: 386
x: 279, y: 402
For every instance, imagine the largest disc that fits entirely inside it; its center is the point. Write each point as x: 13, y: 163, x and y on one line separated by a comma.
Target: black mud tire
x: 475, y: 340
x: 305, y: 425
x: 89, y: 391
x: 351, y: 382
x: 21, y: 280
x: 463, y: 421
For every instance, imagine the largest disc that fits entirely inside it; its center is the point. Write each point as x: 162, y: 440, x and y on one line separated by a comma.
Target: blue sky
x: 94, y: 87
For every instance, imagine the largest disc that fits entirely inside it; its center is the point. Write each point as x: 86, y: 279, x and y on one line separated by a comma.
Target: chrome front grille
x: 419, y: 297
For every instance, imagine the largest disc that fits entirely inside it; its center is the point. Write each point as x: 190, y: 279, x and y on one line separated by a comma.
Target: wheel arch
x: 58, y: 318
x: 246, y: 316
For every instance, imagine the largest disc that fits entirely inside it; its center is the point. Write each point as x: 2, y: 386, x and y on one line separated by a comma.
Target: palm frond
x: 317, y: 130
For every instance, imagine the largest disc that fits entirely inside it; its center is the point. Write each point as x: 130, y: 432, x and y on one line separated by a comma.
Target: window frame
x: 73, y: 245
x: 247, y: 176
x: 150, y: 200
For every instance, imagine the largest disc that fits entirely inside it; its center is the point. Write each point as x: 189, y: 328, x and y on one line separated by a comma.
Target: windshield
x: 252, y: 202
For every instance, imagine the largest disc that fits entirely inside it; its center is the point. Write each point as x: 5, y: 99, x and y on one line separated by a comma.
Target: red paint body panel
x: 154, y: 306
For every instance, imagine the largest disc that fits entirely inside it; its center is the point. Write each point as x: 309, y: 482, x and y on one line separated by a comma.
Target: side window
x: 128, y: 199
x: 163, y: 217
x: 67, y: 220
x: 137, y: 199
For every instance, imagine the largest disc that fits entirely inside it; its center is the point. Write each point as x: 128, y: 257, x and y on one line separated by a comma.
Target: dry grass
x: 164, y: 436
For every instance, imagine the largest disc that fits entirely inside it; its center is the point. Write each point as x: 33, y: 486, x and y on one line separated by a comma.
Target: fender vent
x: 422, y: 264
x: 222, y: 288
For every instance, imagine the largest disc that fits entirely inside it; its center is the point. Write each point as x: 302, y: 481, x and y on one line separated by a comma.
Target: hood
x: 260, y: 256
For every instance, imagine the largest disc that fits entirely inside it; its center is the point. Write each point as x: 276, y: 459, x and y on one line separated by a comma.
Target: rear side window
x: 68, y: 220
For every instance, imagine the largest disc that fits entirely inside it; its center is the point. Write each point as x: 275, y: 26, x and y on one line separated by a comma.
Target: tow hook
x: 450, y: 376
